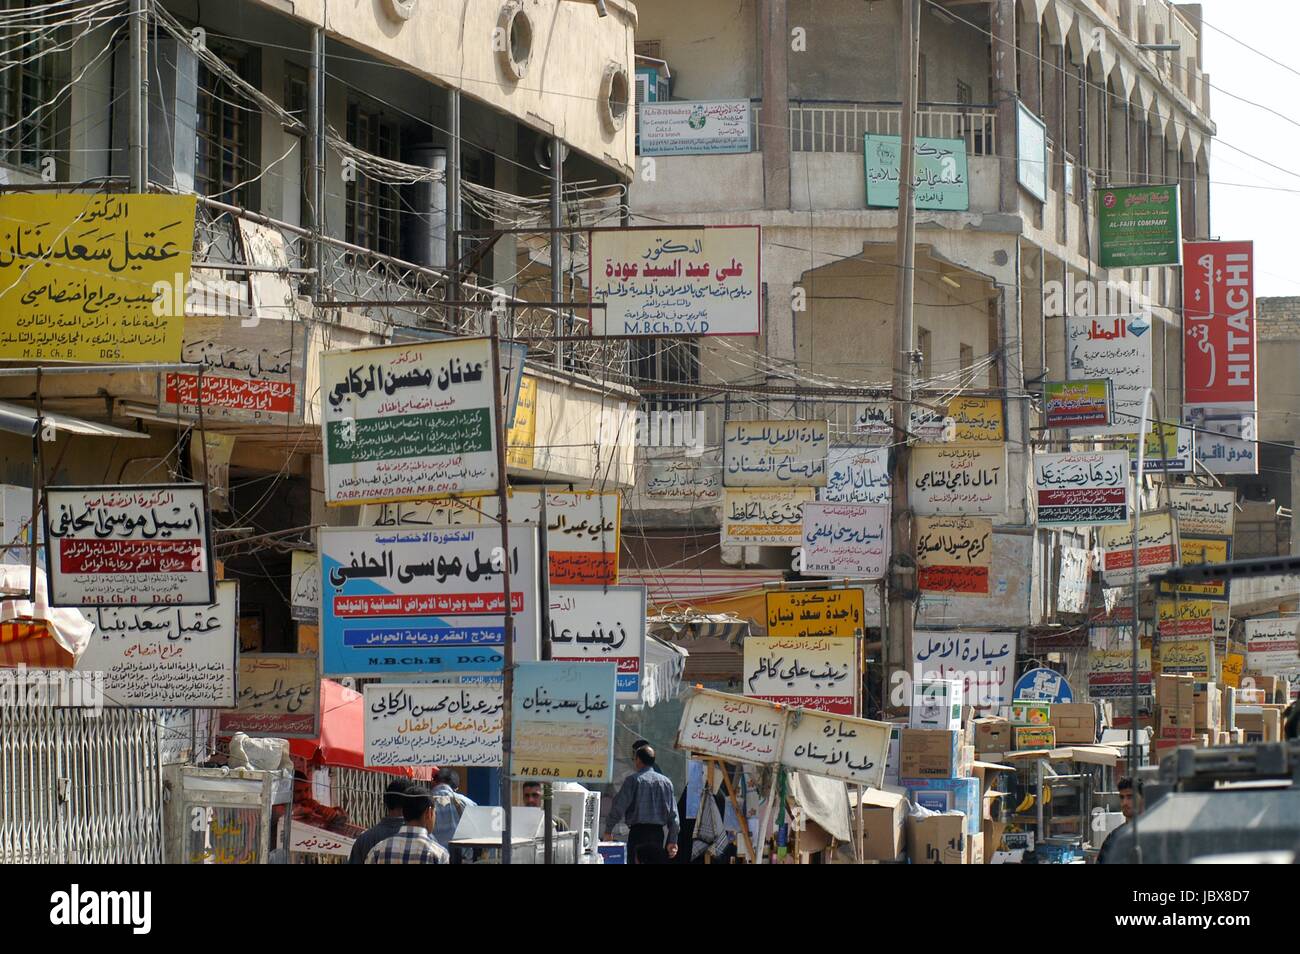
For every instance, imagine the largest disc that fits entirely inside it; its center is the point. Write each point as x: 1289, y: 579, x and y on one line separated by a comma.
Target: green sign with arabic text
x: 939, y: 173
x: 1138, y: 225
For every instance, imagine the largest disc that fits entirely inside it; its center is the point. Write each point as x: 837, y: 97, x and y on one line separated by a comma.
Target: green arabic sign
x: 939, y: 173
x: 1138, y: 225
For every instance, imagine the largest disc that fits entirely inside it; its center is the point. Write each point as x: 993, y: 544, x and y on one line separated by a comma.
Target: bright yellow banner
x: 522, y: 437
x: 1195, y: 551
x: 97, y: 278
x: 816, y: 613
x: 978, y: 420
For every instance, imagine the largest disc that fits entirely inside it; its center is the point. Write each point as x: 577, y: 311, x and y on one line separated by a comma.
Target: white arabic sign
x: 845, y: 540
x: 165, y: 656
x: 404, y: 422
x: 959, y: 479
x: 602, y: 624
x: 664, y: 280
x: 304, y: 586
x: 1115, y: 348
x: 1225, y: 437
x: 128, y: 546
x: 857, y: 475
x: 1271, y: 646
x: 775, y: 453
x: 764, y: 517
x: 834, y: 746
x: 1157, y: 549
x: 423, y: 724
x: 1072, y: 584
x: 1081, y: 489
x: 308, y: 839
x: 985, y: 661
x: 732, y: 728
x: 692, y: 129
x: 1203, y: 511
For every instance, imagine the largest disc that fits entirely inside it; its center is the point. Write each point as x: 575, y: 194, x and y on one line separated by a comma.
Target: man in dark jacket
x: 387, y: 826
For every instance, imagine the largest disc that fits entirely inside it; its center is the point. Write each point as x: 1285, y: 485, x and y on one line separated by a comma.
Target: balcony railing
x: 840, y: 126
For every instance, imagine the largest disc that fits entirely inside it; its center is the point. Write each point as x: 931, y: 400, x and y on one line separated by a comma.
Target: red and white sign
x: 1220, y: 363
x: 129, y: 546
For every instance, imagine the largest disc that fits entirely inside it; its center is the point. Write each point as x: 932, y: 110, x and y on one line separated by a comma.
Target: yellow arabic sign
x: 94, y: 278
x: 1195, y: 551
x: 523, y: 436
x: 1187, y: 657
x: 1231, y: 669
x: 978, y: 420
x: 816, y: 613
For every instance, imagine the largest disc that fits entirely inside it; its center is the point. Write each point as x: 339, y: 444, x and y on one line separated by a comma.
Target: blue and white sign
x: 1043, y: 685
x: 693, y: 129
x: 424, y: 600
x: 562, y: 721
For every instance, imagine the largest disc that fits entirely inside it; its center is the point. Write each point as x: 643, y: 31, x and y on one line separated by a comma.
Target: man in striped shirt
x: 413, y: 843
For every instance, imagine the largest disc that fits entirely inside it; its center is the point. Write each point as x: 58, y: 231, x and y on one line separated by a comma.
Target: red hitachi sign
x: 1219, y: 322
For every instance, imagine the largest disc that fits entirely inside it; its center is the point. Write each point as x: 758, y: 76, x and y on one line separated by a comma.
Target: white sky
x: 1268, y: 216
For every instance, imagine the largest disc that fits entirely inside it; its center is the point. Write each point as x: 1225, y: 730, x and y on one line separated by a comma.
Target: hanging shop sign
x: 732, y: 728
x: 433, y: 724
x: 165, y: 656
x: 977, y: 420
x: 1191, y: 619
x: 304, y: 586
x: 693, y: 129
x: 930, y: 425
x: 845, y: 540
x: 1271, y: 646
x: 816, y: 613
x: 1203, y: 511
x: 1225, y: 437
x: 278, y: 697
x: 1118, y: 349
x: 661, y: 280
x: 1187, y: 657
x: 1087, y: 488
x: 1138, y: 226
x: 1157, y: 549
x: 1031, y: 152
x: 1195, y: 551
x: 411, y: 421
x: 601, y: 624
x: 521, y: 437
x: 958, y: 479
x: 775, y: 453
x: 857, y: 475
x: 836, y: 746
x: 1110, y: 673
x: 1168, y: 449
x: 253, y: 372
x: 684, y: 482
x: 940, y: 177
x: 764, y: 517
x: 562, y: 721
x: 415, y: 600
x: 1231, y: 666
x: 1219, y: 356
x: 1083, y: 404
x: 797, y: 671
x: 582, y: 527
x: 94, y: 278
x: 874, y: 420
x: 953, y: 554
x: 985, y: 662
x: 141, y: 545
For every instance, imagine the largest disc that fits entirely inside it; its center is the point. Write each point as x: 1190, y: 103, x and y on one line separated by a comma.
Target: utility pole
x: 137, y: 100
x: 557, y: 250
x: 904, y: 584
x: 508, y: 663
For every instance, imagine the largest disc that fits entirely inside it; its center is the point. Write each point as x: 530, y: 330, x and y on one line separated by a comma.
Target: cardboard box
x: 967, y: 760
x: 936, y: 840
x: 1075, y: 723
x: 883, y: 817
x: 1207, y: 706
x: 993, y: 800
x: 993, y: 832
x: 1176, y: 717
x: 1174, y: 690
x: 948, y: 795
x: 993, y: 735
x: 929, y: 753
x: 1031, y: 712
x: 1253, y: 696
x: 1259, y: 723
x: 936, y: 704
x: 1034, y: 737
x: 975, y: 850
x: 893, y: 755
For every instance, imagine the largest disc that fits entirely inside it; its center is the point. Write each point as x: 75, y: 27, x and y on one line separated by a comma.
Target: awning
x: 25, y: 417
x: 342, y: 728
x: 678, y: 626
x: 664, y: 665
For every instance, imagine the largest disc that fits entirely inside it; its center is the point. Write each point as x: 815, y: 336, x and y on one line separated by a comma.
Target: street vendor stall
x: 1053, y: 795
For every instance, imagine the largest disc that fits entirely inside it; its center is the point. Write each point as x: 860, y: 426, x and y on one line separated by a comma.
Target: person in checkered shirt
x: 413, y: 843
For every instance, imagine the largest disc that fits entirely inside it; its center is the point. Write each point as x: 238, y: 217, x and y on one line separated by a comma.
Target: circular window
x: 614, y: 91
x: 514, y: 40
x: 401, y: 9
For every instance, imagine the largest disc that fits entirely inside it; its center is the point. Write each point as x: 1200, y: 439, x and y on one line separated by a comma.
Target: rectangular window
x: 228, y: 123
x: 32, y: 74
x: 295, y: 103
x: 964, y: 94
x: 665, y: 362
x: 373, y: 206
x: 923, y: 345
x: 967, y: 360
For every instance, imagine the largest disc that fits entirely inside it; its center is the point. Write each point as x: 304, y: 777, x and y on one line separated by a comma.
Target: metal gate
x: 80, y: 788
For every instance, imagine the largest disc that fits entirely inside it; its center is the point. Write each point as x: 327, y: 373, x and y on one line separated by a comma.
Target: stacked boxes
x: 1175, y: 714
x: 1075, y: 723
x: 936, y: 753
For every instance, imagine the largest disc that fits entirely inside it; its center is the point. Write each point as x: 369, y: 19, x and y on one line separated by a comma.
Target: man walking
x: 647, y: 803
x: 448, y: 807
x: 387, y: 826
x: 412, y: 844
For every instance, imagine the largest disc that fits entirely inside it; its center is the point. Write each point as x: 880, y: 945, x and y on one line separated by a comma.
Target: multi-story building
x: 1111, y: 92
